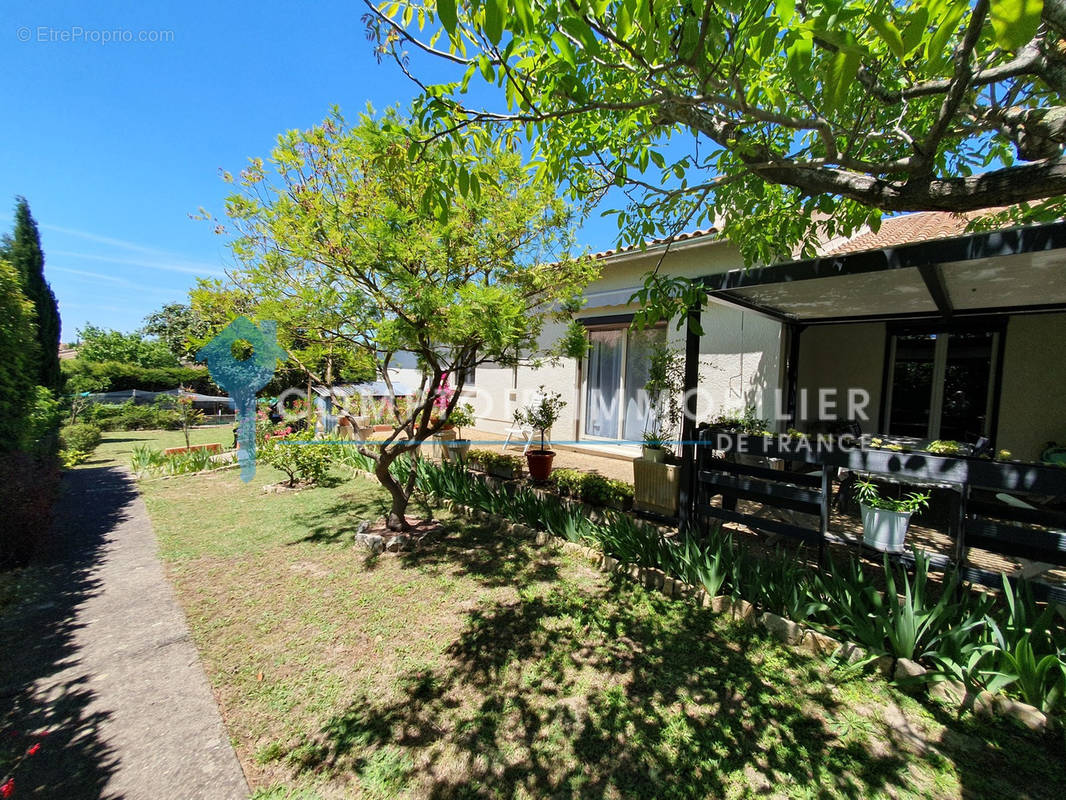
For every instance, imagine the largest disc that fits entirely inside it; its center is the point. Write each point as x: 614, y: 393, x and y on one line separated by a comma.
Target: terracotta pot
x: 380, y: 428
x: 540, y: 464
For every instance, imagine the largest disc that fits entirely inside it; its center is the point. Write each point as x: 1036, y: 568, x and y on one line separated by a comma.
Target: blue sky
x: 116, y: 144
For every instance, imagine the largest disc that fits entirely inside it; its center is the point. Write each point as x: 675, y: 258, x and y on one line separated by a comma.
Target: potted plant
x: 654, y: 447
x: 540, y: 415
x: 457, y: 448
x: 502, y: 465
x: 885, y: 519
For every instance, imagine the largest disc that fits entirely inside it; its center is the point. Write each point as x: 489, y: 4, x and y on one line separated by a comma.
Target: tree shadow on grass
x: 39, y: 643
x: 462, y: 547
x: 619, y: 693
x: 481, y: 551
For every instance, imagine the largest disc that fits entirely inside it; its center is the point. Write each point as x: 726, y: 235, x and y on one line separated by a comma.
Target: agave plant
x: 1041, y: 681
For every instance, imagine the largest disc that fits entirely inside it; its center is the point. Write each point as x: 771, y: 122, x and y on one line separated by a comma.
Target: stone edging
x: 784, y: 630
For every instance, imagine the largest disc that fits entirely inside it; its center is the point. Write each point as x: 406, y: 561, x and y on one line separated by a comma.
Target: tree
x: 178, y: 326
x: 23, y: 250
x: 188, y: 415
x: 341, y: 238
x: 78, y: 388
x: 100, y: 345
x: 789, y: 121
x: 18, y: 357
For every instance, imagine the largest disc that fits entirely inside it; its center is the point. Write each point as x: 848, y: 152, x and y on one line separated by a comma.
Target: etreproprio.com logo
x: 241, y: 376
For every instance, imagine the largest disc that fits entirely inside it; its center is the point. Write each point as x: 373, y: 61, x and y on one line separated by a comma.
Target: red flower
x: 33, y: 750
x: 7, y: 788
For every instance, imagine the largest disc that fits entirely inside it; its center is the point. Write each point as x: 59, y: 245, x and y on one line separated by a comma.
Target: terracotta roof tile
x: 681, y: 237
x: 920, y: 226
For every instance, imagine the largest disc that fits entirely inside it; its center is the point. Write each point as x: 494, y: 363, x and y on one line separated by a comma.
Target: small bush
x: 81, y: 436
x: 304, y: 462
x: 487, y: 459
x: 592, y: 488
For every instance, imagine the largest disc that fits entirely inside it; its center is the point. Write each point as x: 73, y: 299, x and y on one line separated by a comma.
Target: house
x: 918, y: 329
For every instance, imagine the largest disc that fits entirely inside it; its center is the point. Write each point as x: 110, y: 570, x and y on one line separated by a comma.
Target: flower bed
x: 969, y: 639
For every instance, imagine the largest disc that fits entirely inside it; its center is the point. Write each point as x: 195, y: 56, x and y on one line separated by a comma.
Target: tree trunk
x: 397, y: 518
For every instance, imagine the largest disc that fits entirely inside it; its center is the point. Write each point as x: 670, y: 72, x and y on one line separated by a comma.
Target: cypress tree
x: 25, y: 254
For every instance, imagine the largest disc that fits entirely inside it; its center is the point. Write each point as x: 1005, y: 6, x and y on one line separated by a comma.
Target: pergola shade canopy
x: 1017, y: 270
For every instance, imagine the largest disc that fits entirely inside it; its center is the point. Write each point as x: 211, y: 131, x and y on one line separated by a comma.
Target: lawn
x: 481, y: 665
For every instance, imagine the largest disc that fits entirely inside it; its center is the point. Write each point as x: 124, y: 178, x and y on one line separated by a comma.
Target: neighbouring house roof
x: 372, y: 389
x: 144, y: 396
x: 921, y: 226
x: 687, y: 237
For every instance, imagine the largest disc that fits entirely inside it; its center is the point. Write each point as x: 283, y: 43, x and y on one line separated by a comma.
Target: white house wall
x: 741, y: 356
x: 741, y: 362
x: 1032, y: 408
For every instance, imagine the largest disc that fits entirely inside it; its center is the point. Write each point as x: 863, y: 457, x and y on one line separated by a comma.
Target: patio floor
x: 926, y: 537
x: 618, y: 465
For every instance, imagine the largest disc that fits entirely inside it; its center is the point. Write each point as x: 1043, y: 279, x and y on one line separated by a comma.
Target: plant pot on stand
x: 656, y: 455
x: 884, y: 530
x: 442, y: 441
x: 456, y: 450
x: 885, y: 519
x: 656, y: 487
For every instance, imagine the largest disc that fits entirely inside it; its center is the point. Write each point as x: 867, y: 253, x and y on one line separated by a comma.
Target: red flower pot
x: 540, y: 464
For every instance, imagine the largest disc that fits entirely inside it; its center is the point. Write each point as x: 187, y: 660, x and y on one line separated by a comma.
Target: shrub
x: 601, y: 491
x: 298, y: 459
x: 129, y: 416
x: 567, y: 481
x: 28, y: 488
x: 592, y: 488
x: 81, y: 436
x: 120, y: 376
x: 487, y: 459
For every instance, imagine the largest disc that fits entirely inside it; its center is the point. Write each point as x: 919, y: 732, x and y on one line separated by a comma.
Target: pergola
x: 1017, y: 271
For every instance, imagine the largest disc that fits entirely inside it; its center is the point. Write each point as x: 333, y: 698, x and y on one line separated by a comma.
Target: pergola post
x: 688, y: 422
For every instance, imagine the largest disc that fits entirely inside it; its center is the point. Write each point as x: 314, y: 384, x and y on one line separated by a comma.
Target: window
x: 941, y: 383
x: 616, y: 407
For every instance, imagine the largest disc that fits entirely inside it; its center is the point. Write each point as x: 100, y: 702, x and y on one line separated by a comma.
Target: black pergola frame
x: 926, y: 257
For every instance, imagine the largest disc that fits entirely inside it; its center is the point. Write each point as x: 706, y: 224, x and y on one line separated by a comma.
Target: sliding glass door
x: 616, y: 405
x: 603, y: 379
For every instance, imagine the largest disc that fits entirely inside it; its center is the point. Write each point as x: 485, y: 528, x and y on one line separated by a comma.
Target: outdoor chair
x: 526, y: 431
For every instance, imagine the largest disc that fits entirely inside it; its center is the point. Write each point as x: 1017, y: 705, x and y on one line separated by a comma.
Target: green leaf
x: 842, y: 71
x: 494, y: 14
x: 1015, y: 21
x: 889, y: 33
x: 447, y: 15
x: 799, y: 60
x: 912, y: 34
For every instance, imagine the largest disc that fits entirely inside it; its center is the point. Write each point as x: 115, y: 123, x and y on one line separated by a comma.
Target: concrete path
x: 105, y: 663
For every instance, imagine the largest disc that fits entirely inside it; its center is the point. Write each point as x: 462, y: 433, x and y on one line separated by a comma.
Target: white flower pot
x: 654, y: 454
x: 884, y: 530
